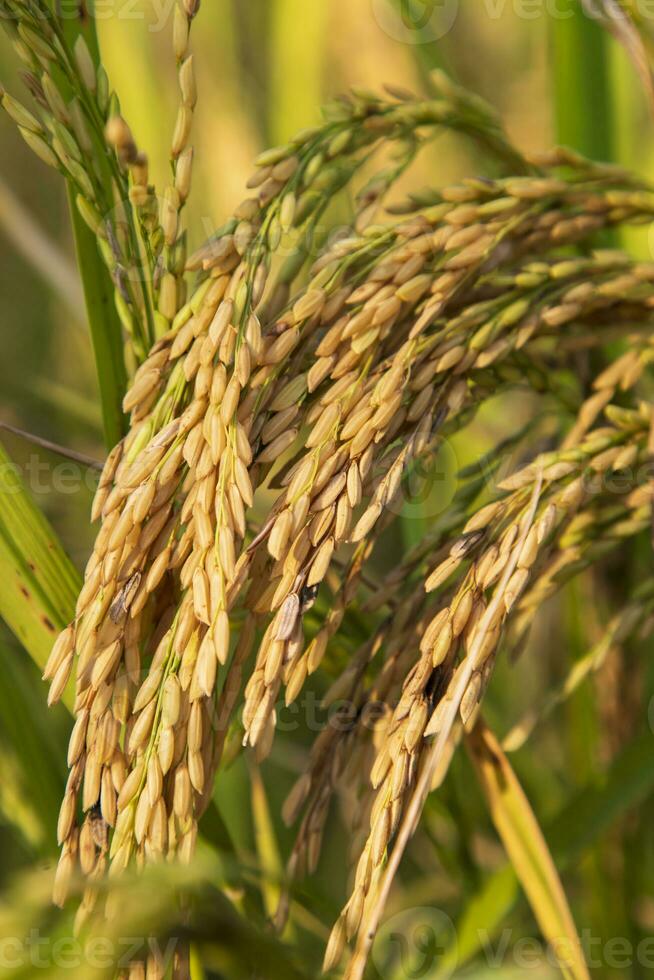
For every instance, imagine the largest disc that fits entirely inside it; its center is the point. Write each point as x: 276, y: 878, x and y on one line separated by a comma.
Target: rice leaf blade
x: 32, y: 749
x: 104, y: 326
x: 270, y: 860
x: 525, y: 844
x: 103, y: 319
x: 581, y: 86
x: 585, y: 817
x: 40, y: 583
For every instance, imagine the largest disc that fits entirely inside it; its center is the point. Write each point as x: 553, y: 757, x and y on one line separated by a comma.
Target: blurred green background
x: 264, y: 67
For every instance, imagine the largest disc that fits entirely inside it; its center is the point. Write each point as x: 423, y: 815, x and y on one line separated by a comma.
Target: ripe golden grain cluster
x: 325, y: 387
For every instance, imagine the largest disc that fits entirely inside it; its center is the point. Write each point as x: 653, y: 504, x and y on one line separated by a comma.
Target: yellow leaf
x: 527, y: 849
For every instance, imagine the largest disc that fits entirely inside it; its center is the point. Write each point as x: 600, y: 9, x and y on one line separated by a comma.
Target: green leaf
x: 32, y: 752
x: 40, y: 583
x: 270, y: 860
x: 215, y: 831
x: 104, y: 323
x: 581, y: 84
x: 37, y: 599
x: 147, y: 905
